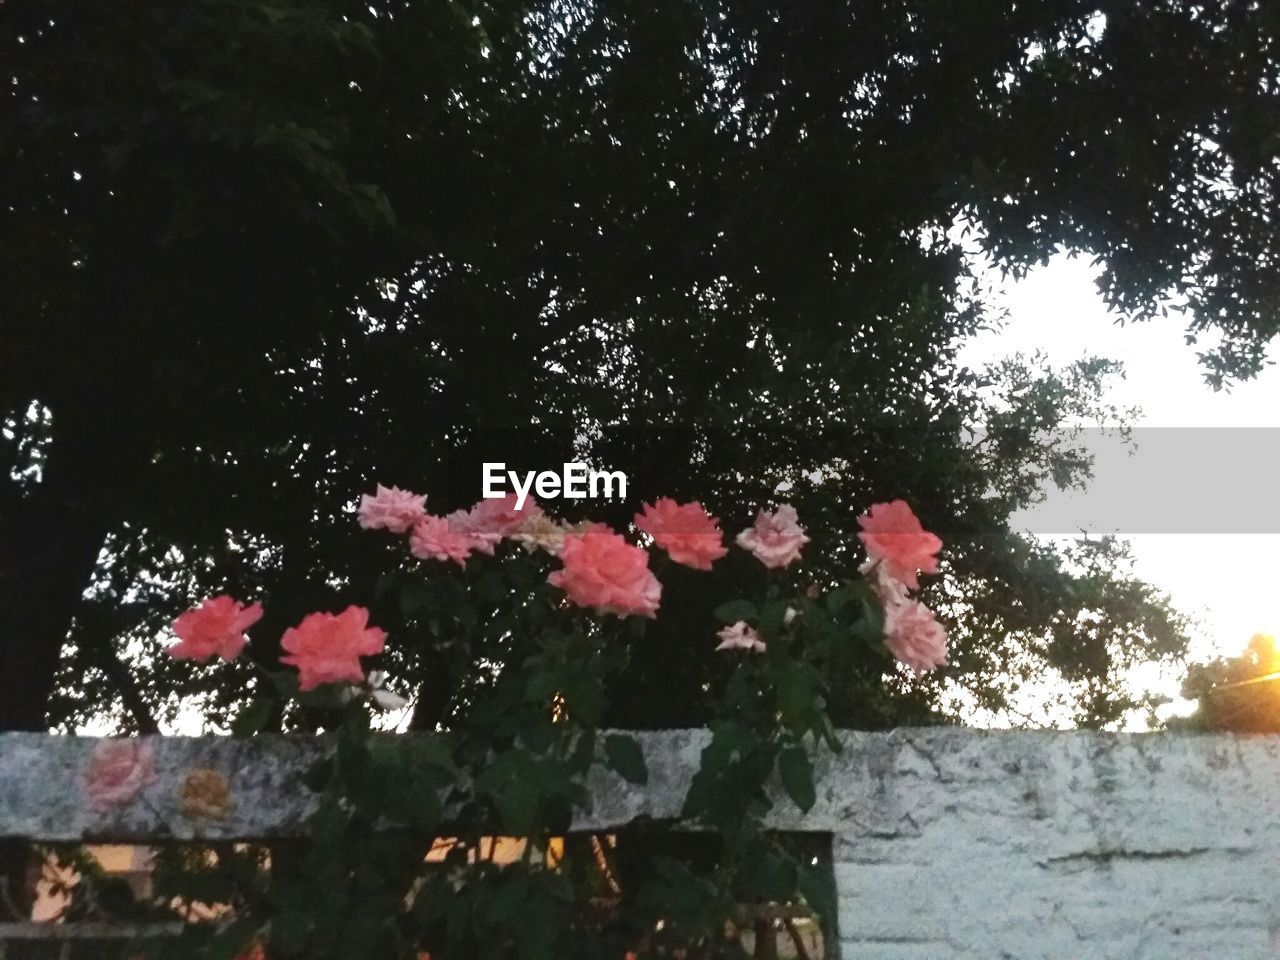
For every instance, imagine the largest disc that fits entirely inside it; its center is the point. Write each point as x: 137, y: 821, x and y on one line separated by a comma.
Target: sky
x: 1196, y: 497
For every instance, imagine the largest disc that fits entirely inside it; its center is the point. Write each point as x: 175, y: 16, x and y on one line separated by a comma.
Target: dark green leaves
x: 735, y: 610
x: 624, y: 757
x: 518, y: 803
x: 254, y: 717
x: 796, y: 773
x: 531, y: 794
x: 729, y: 785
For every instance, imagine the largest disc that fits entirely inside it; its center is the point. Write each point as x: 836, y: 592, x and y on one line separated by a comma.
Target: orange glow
x: 1266, y: 677
x: 555, y: 851
x: 1262, y: 647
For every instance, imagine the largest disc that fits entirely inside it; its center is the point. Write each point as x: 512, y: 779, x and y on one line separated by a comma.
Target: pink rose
x: 894, y: 538
x: 435, y: 539
x: 118, y: 770
x: 740, y: 636
x: 471, y: 525
x: 602, y: 570
x: 883, y: 584
x: 327, y: 647
x: 542, y: 533
x: 492, y: 519
x: 686, y: 531
x: 499, y: 514
x: 215, y: 628
x: 391, y: 509
x: 776, y: 538
x: 914, y: 636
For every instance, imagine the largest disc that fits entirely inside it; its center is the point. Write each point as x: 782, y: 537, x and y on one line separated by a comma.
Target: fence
x: 947, y: 843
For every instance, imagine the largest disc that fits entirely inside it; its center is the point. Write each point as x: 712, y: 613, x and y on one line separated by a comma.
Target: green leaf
x: 232, y: 941
x: 558, y: 811
x: 318, y: 778
x: 818, y: 889
x: 434, y: 902
x: 536, y: 735
x: 286, y: 683
x: 518, y: 806
x: 797, y: 777
x: 584, y: 751
x: 772, y: 616
x: 796, y: 695
x: 828, y: 733
x: 541, y: 685
x: 624, y: 756
x: 491, y: 586
x: 735, y: 610
x: 432, y: 751
x: 583, y: 699
x: 415, y: 597
x: 771, y: 875
x: 253, y: 718
x: 385, y: 584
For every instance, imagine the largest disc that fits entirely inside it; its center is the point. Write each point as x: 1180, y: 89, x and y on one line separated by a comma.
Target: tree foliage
x: 256, y: 256
x: 1238, y: 694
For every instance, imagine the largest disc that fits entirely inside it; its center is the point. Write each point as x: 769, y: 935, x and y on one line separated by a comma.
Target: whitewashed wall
x: 949, y: 844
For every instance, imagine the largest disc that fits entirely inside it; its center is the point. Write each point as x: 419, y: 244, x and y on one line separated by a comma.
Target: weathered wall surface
x: 949, y: 844
x: 962, y: 845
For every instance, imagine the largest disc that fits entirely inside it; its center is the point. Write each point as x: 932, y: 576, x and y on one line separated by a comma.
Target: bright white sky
x: 1225, y: 580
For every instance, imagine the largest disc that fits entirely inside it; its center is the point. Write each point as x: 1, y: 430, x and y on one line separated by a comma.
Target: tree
x: 273, y: 253
x: 1239, y: 694
x: 179, y: 216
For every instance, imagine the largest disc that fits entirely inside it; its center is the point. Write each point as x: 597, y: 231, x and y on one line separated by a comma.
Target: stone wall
x: 949, y: 844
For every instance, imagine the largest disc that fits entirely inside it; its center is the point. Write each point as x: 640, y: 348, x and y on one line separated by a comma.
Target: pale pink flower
x: 327, y: 647
x: 472, y: 525
x: 118, y: 771
x: 215, y: 628
x: 740, y: 636
x: 391, y: 509
x: 499, y: 514
x: 602, y: 570
x: 435, y: 539
x: 541, y: 532
x: 492, y: 519
x: 883, y: 584
x: 894, y: 538
x: 686, y: 531
x: 586, y: 526
x: 776, y: 538
x: 913, y: 635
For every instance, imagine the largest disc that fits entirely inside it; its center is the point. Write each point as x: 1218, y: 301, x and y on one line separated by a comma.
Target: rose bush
x: 561, y: 606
